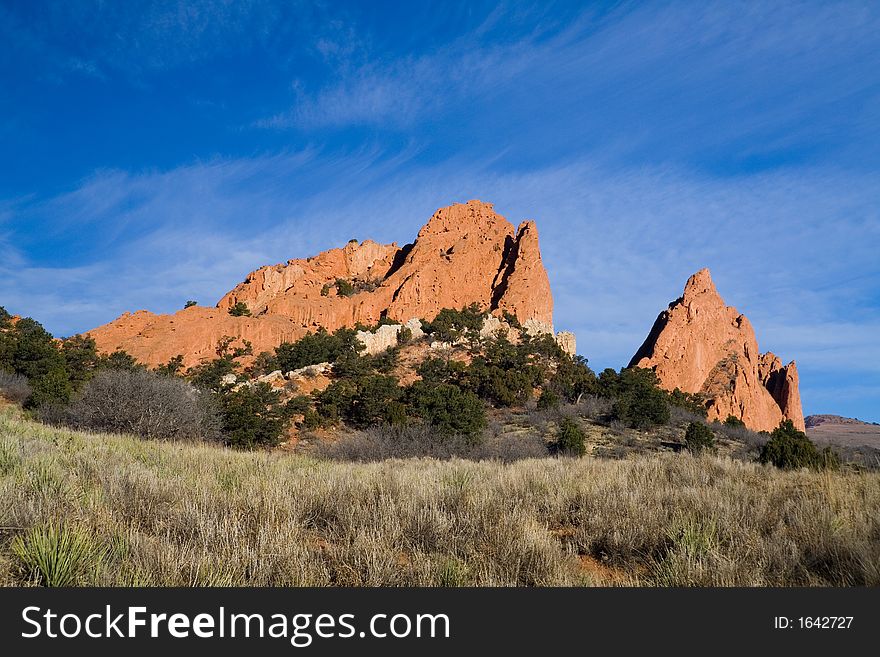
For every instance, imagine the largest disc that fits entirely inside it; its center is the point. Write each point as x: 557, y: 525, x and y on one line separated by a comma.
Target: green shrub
x: 190, y: 304
x: 573, y: 379
x: 734, y: 422
x: 640, y: 403
x: 548, y: 400
x: 699, y: 437
x: 209, y: 376
x: 790, y: 449
x: 608, y: 383
x: 81, y: 359
x: 314, y: 348
x: 344, y: 288
x: 119, y: 360
x: 511, y: 319
x: 252, y: 416
x: 173, y: 367
x: 28, y: 349
x: 504, y: 374
x: 448, y: 408
x: 361, y: 401
x: 404, y: 336
x: 51, y: 388
x: 439, y: 370
x: 240, y: 309
x: 451, y: 325
x: 570, y: 441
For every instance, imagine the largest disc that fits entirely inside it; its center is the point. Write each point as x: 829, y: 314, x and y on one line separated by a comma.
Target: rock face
x: 567, y: 342
x: 465, y: 254
x: 701, y: 345
x: 381, y: 339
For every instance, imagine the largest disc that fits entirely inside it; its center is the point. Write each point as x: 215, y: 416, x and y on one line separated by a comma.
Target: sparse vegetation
x: 125, y: 511
x: 240, y: 309
x: 344, y: 288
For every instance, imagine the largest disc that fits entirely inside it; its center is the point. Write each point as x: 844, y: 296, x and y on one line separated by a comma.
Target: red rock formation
x: 466, y: 253
x: 701, y: 345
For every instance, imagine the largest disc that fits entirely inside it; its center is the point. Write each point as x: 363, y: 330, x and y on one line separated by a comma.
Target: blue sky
x: 154, y: 152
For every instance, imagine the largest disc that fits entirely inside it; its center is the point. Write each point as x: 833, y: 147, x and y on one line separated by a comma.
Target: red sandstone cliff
x: 701, y: 345
x: 466, y: 253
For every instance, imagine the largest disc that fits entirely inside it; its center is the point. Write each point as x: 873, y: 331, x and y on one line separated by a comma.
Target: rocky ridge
x: 466, y: 253
x: 701, y: 345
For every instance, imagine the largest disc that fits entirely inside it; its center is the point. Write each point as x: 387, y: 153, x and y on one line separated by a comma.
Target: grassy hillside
x: 79, y: 508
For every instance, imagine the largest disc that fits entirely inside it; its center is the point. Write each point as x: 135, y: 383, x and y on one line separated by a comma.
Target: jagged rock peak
x: 701, y: 345
x: 466, y: 253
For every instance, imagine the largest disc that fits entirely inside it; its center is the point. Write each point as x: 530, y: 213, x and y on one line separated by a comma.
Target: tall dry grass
x: 79, y: 508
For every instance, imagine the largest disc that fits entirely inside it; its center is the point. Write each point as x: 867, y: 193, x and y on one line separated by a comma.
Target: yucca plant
x: 55, y: 554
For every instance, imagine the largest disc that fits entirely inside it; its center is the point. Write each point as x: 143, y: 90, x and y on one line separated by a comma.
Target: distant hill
x: 846, y: 431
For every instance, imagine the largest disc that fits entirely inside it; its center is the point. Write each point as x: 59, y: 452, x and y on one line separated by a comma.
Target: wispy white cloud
x: 666, y: 77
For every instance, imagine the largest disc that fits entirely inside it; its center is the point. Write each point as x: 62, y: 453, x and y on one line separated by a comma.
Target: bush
x: 511, y: 319
x: 362, y: 401
x: 81, y: 359
x: 504, y: 374
x: 449, y: 409
x: 190, y: 304
x: 31, y: 350
x: 790, y: 449
x: 120, y: 360
x: 573, y: 379
x: 640, y: 403
x: 571, y: 439
x: 314, y: 348
x: 548, y: 400
x: 699, y: 437
x: 451, y: 325
x: 734, y: 422
x: 253, y: 416
x: 344, y: 288
x: 142, y: 403
x: 174, y: 366
x: 404, y: 336
x: 240, y: 309
x: 209, y: 376
x: 51, y: 388
x: 14, y: 387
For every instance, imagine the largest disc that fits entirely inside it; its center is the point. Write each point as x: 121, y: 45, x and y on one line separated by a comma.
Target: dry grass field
x: 88, y: 509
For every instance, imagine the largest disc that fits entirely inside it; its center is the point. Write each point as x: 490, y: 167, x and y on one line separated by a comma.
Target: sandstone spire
x: 466, y: 253
x: 701, y: 345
